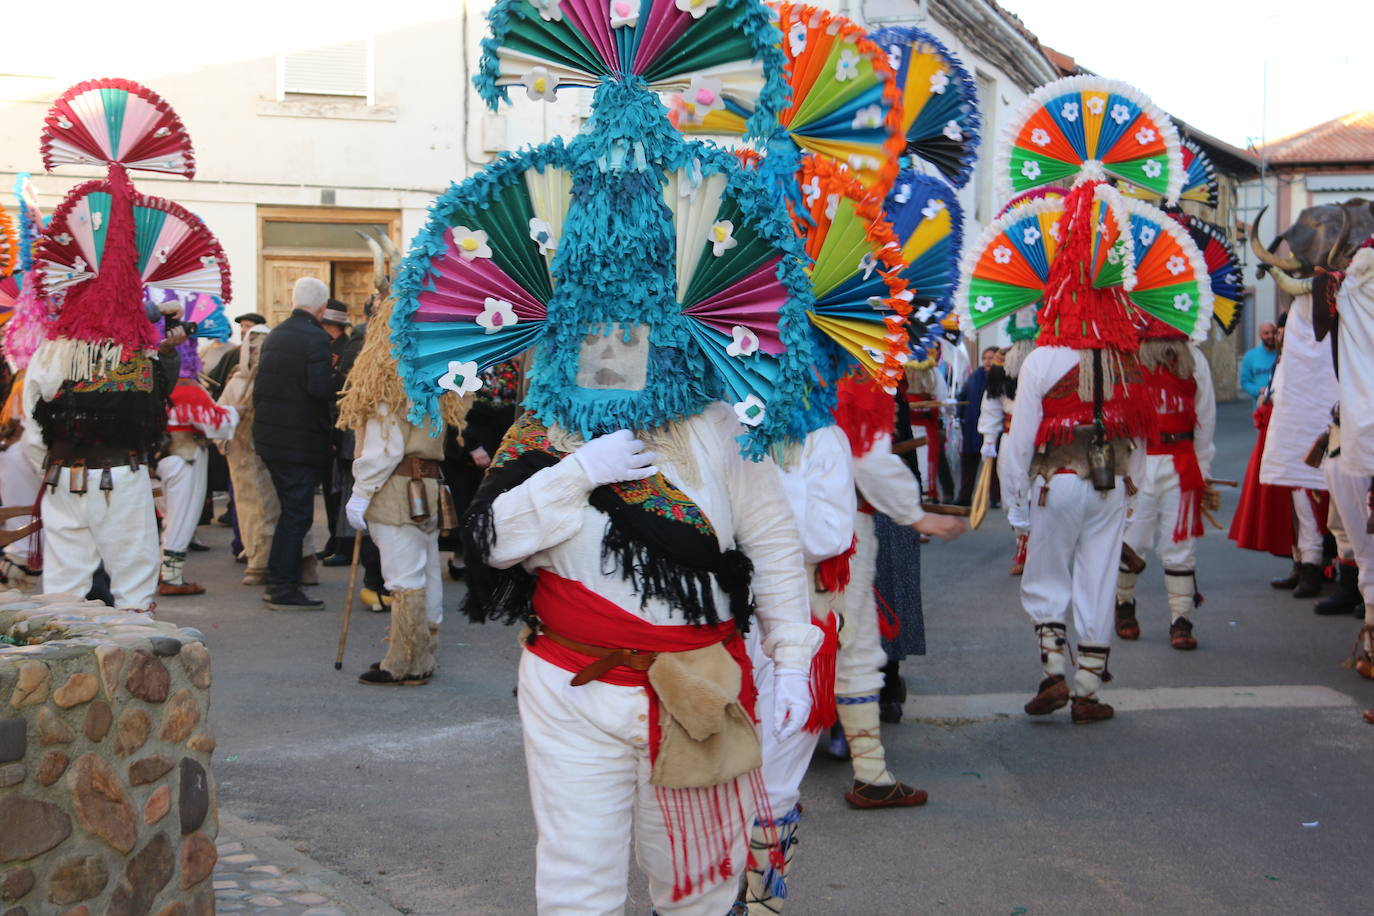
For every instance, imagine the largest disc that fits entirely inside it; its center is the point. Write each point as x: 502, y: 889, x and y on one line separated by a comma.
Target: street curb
x: 340, y: 890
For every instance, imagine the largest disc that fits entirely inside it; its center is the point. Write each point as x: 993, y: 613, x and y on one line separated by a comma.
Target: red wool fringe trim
x: 1126, y: 414
x: 832, y: 573
x: 864, y: 412
x: 1174, y: 399
x: 109, y: 307
x: 823, y: 712
x: 889, y: 624
x: 1075, y: 314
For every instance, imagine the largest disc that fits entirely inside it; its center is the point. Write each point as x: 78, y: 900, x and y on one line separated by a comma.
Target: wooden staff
x: 1211, y: 482
x: 348, y: 602
x: 982, y: 494
x: 922, y: 405
x: 945, y: 509
x: 909, y: 445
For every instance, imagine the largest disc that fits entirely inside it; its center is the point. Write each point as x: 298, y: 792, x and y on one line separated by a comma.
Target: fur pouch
x: 708, y: 738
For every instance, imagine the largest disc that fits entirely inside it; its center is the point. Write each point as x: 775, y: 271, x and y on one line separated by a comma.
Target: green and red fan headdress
x: 106, y: 240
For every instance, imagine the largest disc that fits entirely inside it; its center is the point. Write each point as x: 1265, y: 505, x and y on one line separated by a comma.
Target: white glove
x: 791, y: 701
x: 355, y: 509
x: 615, y: 457
x: 989, y: 449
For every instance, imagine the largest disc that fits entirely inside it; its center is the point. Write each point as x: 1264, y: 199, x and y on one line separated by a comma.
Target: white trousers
x: 785, y: 761
x: 183, y: 491
x: 1349, y: 499
x: 410, y: 559
x: 19, y: 484
x: 1309, y: 545
x: 1152, y: 521
x: 1073, y: 555
x: 1018, y: 516
x: 117, y: 527
x: 858, y: 670
x: 587, y: 754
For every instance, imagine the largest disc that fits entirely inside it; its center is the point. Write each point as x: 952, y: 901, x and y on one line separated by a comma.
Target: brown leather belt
x: 64, y: 453
x: 412, y: 466
x: 1171, y: 438
x: 606, y: 658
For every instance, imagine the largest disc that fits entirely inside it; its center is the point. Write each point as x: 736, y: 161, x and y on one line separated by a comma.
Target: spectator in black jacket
x: 292, y: 400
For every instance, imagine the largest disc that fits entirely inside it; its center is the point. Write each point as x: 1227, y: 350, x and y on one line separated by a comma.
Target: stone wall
x: 107, y: 802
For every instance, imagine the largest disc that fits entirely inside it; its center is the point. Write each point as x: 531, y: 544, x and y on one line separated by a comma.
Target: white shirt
x: 1304, y: 392
x: 1355, y: 305
x: 820, y: 490
x: 888, y: 484
x: 548, y: 523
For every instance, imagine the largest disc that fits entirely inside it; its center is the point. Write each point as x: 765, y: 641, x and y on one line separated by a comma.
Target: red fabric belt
x: 1190, y: 486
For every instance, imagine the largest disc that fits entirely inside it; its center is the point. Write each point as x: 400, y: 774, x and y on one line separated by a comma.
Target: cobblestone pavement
x: 258, y: 875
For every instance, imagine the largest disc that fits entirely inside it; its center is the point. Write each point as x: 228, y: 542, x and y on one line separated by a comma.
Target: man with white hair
x: 291, y: 425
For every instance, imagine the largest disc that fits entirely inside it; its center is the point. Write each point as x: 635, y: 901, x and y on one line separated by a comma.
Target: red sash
x: 1175, y: 401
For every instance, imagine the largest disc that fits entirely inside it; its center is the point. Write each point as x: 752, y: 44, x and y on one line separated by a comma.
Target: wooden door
x: 281, y: 277
x: 352, y: 285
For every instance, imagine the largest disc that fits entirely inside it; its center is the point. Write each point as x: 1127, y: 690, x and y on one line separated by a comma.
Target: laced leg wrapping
x: 859, y: 717
x: 1125, y: 586
x: 1092, y: 670
x: 1182, y: 587
x: 766, y: 881
x: 408, y: 629
x: 1054, y: 641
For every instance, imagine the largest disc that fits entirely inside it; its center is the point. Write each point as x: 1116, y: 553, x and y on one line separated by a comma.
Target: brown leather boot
x: 1309, y: 581
x: 1127, y: 627
x: 897, y: 795
x: 1288, y: 581
x: 1181, y: 634
x: 1052, y: 694
x: 1086, y: 711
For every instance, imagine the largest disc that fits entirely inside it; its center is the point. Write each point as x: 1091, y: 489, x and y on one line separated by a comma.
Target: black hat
x: 335, y: 312
x: 251, y: 316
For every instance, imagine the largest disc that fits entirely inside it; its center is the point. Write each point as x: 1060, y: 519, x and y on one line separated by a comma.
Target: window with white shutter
x: 338, y: 70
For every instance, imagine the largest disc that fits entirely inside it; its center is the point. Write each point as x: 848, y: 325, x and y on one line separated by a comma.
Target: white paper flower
x: 208, y: 260
x: 1145, y: 136
x: 868, y: 117
x: 1176, y: 265
x: 953, y: 131
x: 861, y: 163
x: 832, y: 206
x: 722, y: 237
x: 1096, y: 104
x: 894, y: 56
x: 1121, y: 113
x: 624, y: 14
x: 497, y: 315
x: 1183, y: 302
x: 1148, y: 235
x: 877, y: 303
x: 161, y: 132
x: 932, y: 208
x: 847, y: 67
x: 1001, y: 254
x: 548, y: 10
x: 1152, y: 168
x: 1030, y: 235
x: 1040, y: 137
x: 903, y: 192
x: 983, y: 304
x: 939, y: 82
x: 63, y: 239
x: 1031, y: 169
x: 867, y: 264
x: 97, y: 220
x: 471, y: 243
x: 697, y: 8
x: 461, y: 377
x: 161, y: 255
x: 811, y: 191
x: 750, y: 410
x: 1069, y: 111
x: 1054, y: 231
x: 541, y: 233
x: 796, y: 38
x: 1114, y: 254
x: 744, y: 343
x: 540, y: 84
x: 63, y: 123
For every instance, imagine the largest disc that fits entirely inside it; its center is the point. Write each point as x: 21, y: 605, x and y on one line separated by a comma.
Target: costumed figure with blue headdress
x: 631, y: 517
x: 97, y: 388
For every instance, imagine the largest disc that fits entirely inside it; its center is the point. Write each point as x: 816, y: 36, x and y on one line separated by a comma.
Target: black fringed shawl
x: 659, y: 540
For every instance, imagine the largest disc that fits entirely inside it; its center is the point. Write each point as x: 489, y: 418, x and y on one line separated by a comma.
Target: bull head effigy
x: 386, y: 257
x: 1319, y: 235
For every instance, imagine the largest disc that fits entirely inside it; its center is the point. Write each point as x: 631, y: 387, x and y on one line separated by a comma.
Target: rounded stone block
x: 158, y: 804
x: 197, y: 859
x: 12, y: 774
x: 16, y: 882
x: 32, y: 827
x: 77, y: 878
x: 32, y: 686
x: 79, y: 688
x: 193, y: 801
x: 149, y: 871
x: 195, y: 659
x: 14, y: 739
x: 110, y: 660
x: 97, y: 722
x: 50, y: 768
x: 131, y: 731
x: 52, y: 730
x: 180, y: 716
x: 148, y: 678
x: 102, y: 806
x: 202, y: 742
x: 149, y: 769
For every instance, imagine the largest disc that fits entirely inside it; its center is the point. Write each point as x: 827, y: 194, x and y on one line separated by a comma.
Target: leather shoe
x: 1181, y: 634
x: 1369, y: 716
x: 1087, y: 710
x: 185, y: 588
x: 336, y: 559
x: 1288, y: 581
x: 1309, y: 581
x: 897, y: 795
x: 1127, y: 627
x: 292, y: 600
x: 1053, y: 694
x: 376, y: 677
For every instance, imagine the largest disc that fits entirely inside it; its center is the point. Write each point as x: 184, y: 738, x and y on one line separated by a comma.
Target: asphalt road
x: 1240, y: 789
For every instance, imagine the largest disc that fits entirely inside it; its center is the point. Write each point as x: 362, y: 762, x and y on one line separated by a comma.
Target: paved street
x: 1232, y: 779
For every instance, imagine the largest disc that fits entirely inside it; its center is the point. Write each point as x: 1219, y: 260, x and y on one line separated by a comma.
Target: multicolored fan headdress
x: 928, y: 223
x: 845, y: 103
x: 1224, y: 271
x: 20, y: 292
x: 1087, y: 127
x: 650, y: 275
x: 106, y: 240
x: 940, y: 118
x: 1199, y: 178
x: 9, y: 244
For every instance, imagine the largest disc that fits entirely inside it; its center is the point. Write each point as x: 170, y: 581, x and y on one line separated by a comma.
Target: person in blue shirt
x: 1257, y: 367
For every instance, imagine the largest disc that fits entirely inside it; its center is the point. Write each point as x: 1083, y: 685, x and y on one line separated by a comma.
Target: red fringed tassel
x: 1189, y: 516
x: 1075, y: 314
x: 109, y: 307
x: 823, y: 676
x: 832, y: 573
x: 864, y: 411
